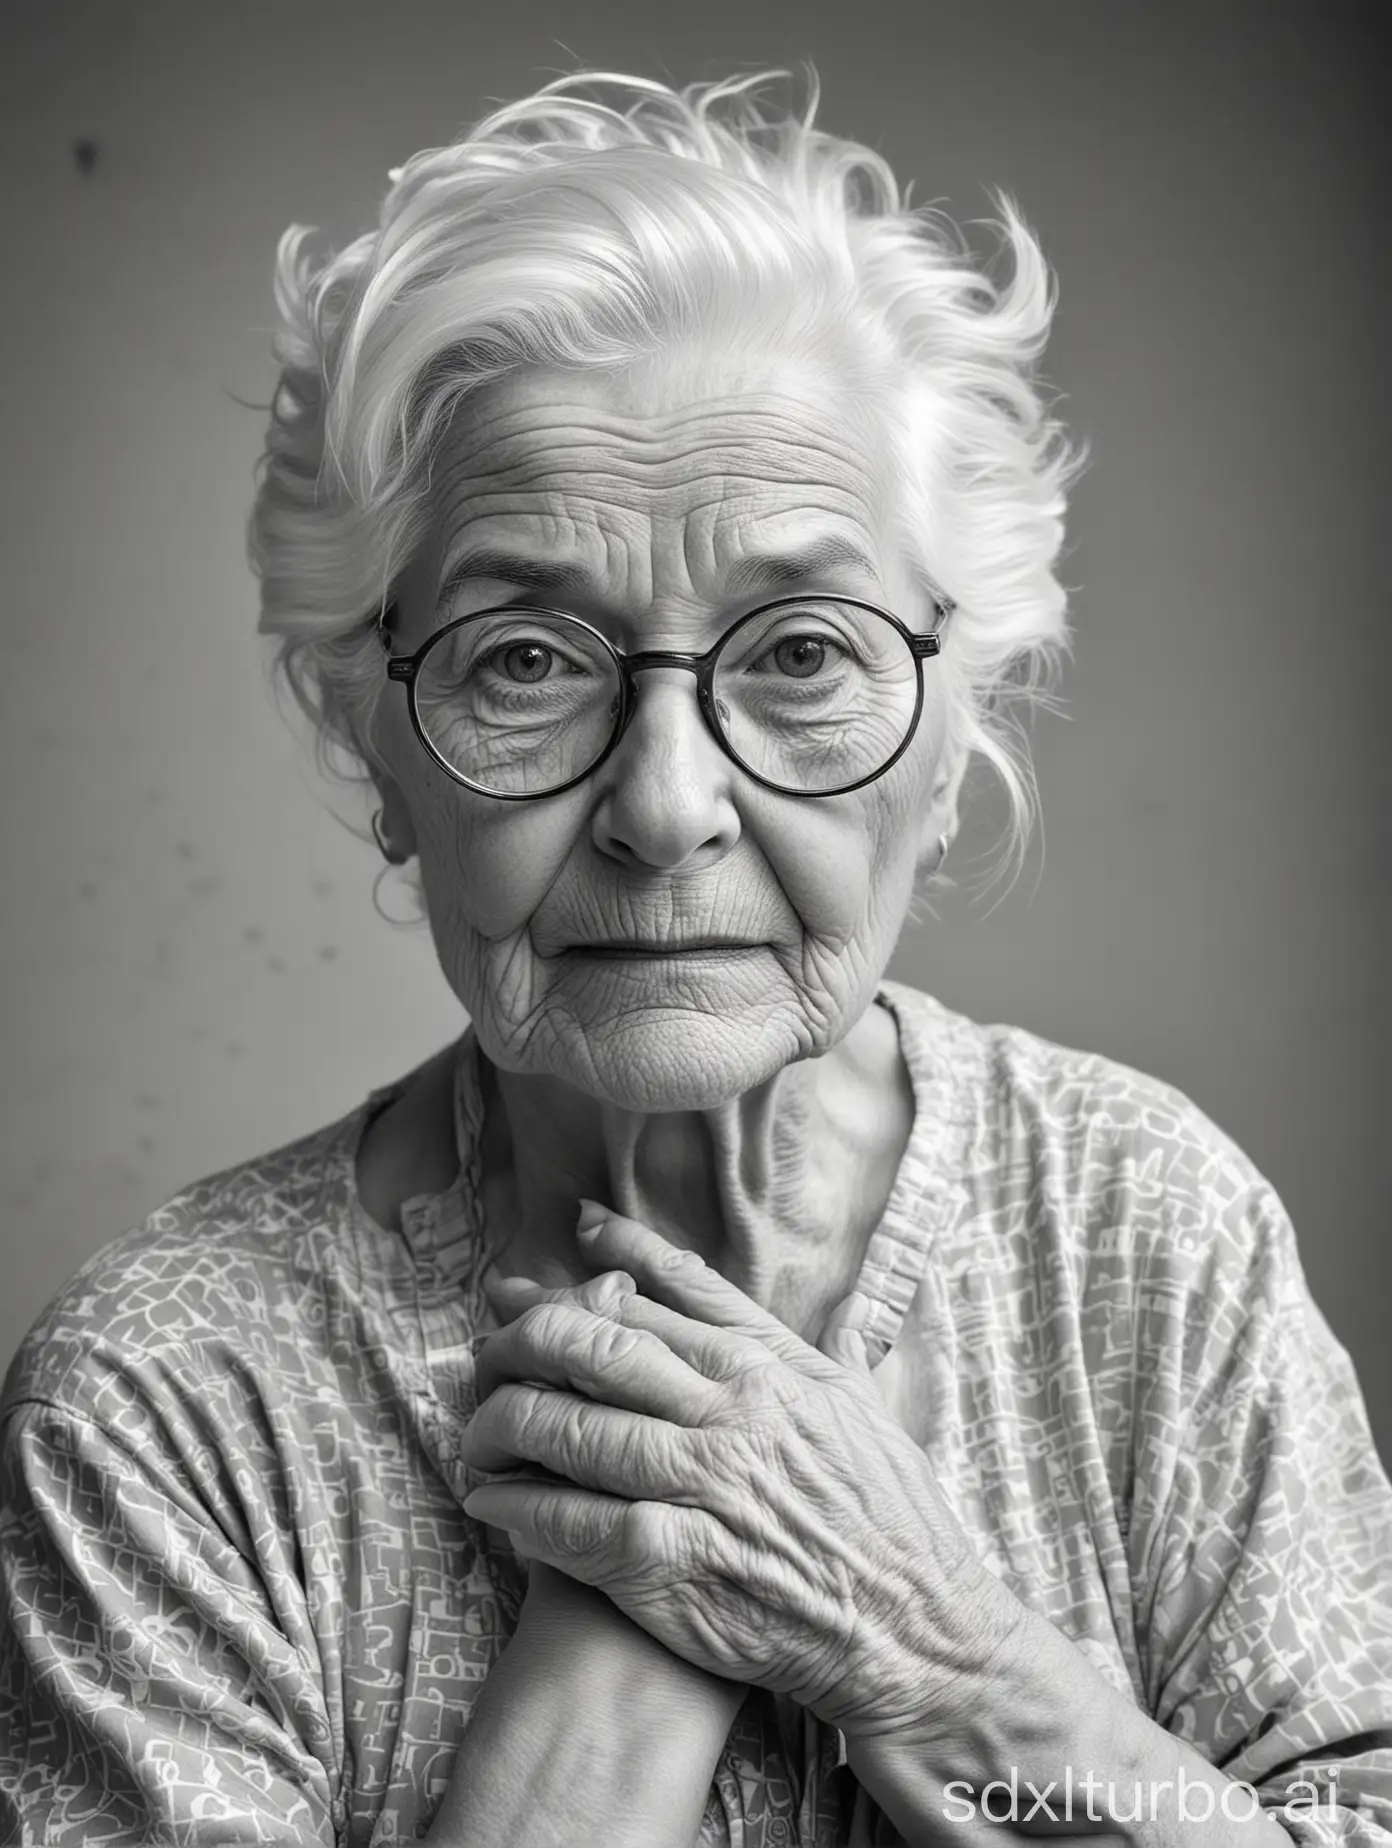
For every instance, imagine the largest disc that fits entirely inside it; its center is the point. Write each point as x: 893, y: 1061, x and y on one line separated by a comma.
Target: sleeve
x: 147, y: 1694
x: 1263, y: 1563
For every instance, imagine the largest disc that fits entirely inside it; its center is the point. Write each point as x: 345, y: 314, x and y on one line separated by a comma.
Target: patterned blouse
x: 239, y: 1599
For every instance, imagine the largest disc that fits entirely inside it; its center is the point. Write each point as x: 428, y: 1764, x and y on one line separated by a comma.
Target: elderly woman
x: 727, y: 1396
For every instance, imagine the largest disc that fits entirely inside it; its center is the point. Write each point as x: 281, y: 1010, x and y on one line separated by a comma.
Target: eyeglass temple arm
x: 926, y: 646
x: 399, y: 667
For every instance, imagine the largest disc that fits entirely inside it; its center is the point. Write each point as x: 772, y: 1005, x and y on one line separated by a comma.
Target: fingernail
x: 854, y: 1311
x: 508, y: 1286
x: 592, y: 1217
x: 486, y: 1480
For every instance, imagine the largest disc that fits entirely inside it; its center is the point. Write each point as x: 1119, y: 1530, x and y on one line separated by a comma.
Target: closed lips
x: 699, y: 946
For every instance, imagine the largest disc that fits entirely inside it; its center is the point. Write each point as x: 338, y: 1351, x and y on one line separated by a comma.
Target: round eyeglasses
x: 809, y: 695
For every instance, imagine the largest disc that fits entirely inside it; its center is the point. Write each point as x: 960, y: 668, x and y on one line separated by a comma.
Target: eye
x: 800, y: 656
x: 524, y: 662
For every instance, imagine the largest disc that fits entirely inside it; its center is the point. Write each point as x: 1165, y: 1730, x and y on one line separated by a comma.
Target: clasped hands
x: 743, y: 1496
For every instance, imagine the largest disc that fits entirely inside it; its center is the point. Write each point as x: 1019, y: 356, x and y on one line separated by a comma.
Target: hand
x: 562, y: 1612
x: 745, y: 1498
x: 553, y: 1598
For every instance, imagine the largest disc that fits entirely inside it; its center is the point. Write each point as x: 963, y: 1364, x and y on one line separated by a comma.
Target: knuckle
x: 679, y: 1261
x: 645, y: 1536
x: 532, y: 1322
x: 605, y: 1295
x: 544, y: 1323
x: 607, y: 1283
x: 511, y: 1408
x: 612, y: 1342
x: 593, y: 1293
x: 760, y: 1391
x: 577, y: 1438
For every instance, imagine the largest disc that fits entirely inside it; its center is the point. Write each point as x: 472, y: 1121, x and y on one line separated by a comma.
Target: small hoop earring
x: 386, y: 917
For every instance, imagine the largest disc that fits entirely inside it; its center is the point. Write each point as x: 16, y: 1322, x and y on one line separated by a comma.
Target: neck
x: 779, y: 1189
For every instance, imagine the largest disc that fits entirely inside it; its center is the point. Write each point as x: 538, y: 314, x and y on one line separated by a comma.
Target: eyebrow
x: 755, y: 571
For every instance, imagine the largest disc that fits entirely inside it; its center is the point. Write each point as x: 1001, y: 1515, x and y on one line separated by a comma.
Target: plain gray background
x: 194, y: 969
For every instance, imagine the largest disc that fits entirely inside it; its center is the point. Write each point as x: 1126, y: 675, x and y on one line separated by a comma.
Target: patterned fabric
x: 241, y: 1601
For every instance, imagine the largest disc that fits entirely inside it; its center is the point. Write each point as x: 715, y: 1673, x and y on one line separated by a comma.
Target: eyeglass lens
x: 812, y: 697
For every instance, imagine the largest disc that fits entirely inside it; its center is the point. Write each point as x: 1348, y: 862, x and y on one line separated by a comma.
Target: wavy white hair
x: 599, y: 223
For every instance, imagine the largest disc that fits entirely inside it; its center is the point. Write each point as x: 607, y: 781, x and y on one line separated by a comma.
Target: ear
x: 396, y: 830
x: 940, y: 816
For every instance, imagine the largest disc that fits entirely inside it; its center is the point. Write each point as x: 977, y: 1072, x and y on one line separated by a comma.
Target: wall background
x: 194, y: 967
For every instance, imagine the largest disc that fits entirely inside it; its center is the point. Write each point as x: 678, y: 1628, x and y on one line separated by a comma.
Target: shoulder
x: 1090, y: 1154
x: 1022, y: 1085
x: 231, y: 1264
x: 1099, y: 1219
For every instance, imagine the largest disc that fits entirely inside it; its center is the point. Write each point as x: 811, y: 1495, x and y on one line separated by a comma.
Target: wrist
x: 586, y: 1732
x: 1054, y: 1748
x: 950, y: 1695
x: 980, y: 1746
x: 580, y: 1635
x: 1025, y: 1693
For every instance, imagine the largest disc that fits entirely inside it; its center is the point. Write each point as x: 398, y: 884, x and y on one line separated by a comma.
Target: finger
x: 674, y: 1275
x: 558, y: 1524
x: 590, y: 1535
x: 510, y: 1296
x: 682, y: 1280
x: 723, y: 1354
x: 595, y: 1446
x: 560, y: 1344
x: 842, y: 1338
x: 719, y: 1354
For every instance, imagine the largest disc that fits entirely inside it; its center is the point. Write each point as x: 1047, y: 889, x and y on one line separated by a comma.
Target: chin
x: 655, y: 1065
x: 666, y: 1039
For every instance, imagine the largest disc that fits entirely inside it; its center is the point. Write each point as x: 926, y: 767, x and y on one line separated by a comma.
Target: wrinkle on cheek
x: 496, y: 868
x: 826, y: 879
x: 510, y: 974
x: 485, y: 874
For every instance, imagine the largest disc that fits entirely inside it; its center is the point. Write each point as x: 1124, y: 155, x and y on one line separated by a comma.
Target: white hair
x: 567, y: 230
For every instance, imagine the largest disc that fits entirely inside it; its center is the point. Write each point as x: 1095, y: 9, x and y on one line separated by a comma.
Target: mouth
x: 635, y: 950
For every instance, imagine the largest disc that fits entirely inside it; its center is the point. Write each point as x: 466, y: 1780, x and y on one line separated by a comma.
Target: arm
x: 149, y: 1690
x: 587, y: 1734
x: 146, y: 1690
x: 1260, y: 1526
x: 1261, y: 1547
x: 1264, y: 1575
x: 1055, y: 1745
x: 586, y: 1730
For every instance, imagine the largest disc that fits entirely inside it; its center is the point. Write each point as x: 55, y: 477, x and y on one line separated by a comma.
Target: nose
x: 666, y: 798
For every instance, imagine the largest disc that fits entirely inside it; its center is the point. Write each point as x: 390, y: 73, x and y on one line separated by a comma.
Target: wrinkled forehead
x: 721, y: 457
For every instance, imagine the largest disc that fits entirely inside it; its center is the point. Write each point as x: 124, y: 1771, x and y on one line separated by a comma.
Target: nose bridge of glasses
x: 669, y: 659
x: 664, y: 657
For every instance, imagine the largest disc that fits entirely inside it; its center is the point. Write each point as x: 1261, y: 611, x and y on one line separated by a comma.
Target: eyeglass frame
x: 406, y: 669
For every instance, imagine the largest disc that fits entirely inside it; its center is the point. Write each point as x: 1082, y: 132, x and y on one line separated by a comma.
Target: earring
x: 392, y: 860
x: 386, y: 916
x: 389, y: 853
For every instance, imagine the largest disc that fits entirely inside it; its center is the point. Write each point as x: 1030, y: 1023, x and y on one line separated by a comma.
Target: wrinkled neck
x: 779, y: 1188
